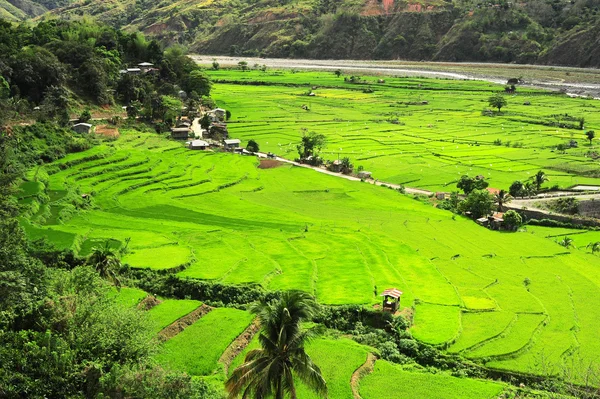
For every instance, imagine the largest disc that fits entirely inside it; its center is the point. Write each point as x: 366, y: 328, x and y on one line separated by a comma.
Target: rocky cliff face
x: 536, y: 31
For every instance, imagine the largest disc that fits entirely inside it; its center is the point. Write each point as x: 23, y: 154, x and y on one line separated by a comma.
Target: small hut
x: 391, y: 299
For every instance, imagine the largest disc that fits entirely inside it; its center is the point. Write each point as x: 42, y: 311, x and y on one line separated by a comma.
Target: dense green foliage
x: 55, y: 64
x: 544, y: 31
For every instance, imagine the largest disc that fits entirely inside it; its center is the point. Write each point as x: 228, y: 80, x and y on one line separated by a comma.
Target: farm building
x: 183, y: 123
x: 231, y: 144
x: 336, y: 166
x: 180, y: 133
x: 494, y: 221
x: 440, y: 196
x: 82, y: 127
x: 219, y: 130
x: 391, y: 300
x: 363, y: 174
x: 198, y: 145
x: 145, y: 66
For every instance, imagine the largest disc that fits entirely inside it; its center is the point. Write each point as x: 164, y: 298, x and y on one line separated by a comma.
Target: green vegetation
x: 169, y: 310
x: 441, y: 134
x: 197, y: 349
x: 540, y: 31
x: 419, y: 385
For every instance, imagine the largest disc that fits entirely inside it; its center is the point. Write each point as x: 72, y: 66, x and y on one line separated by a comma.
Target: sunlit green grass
x: 197, y: 349
x: 169, y: 310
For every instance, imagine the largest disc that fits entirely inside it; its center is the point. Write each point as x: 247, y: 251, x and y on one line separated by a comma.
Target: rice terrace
x: 508, y: 313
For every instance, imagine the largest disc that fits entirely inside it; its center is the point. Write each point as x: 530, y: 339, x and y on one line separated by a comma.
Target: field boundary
x: 182, y: 323
x: 238, y: 345
x: 362, y: 371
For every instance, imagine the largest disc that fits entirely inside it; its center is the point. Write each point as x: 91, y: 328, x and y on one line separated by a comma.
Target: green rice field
x: 218, y: 217
x: 419, y: 132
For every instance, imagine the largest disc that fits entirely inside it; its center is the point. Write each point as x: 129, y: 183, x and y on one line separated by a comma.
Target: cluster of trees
x: 530, y: 187
x: 62, y: 333
x: 310, y: 146
x: 48, y: 65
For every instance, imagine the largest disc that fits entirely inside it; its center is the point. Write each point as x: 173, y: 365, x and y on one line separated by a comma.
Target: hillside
x: 535, y: 31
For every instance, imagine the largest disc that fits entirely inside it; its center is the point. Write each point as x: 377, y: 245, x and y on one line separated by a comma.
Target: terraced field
x: 218, y: 217
x: 423, y: 133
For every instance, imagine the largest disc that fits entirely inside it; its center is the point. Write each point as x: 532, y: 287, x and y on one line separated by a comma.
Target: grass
x: 129, y: 297
x: 345, y: 242
x: 390, y: 381
x: 432, y: 144
x: 169, y: 310
x: 436, y: 324
x: 197, y: 349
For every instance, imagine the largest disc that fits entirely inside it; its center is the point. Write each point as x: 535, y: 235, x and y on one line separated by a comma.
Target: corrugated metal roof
x: 393, y: 292
x: 232, y: 141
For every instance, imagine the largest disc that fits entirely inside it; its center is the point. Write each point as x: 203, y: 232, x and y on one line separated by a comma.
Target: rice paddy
x: 504, y: 299
x: 419, y: 132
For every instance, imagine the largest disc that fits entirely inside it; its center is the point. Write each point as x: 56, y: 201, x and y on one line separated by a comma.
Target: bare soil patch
x: 148, y: 303
x: 238, y: 345
x: 269, y: 164
x: 107, y: 131
x: 184, y: 322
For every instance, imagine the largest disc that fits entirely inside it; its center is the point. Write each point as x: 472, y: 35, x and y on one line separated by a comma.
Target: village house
x: 231, y: 144
x: 198, y: 145
x: 82, y: 127
x: 180, y: 133
x: 219, y: 130
x: 217, y: 115
x: 363, y: 174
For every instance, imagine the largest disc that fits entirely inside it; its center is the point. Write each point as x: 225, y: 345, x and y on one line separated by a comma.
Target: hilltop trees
x: 270, y: 370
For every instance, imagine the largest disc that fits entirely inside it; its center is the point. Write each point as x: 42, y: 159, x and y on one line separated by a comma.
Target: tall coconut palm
x: 501, y: 198
x: 539, y: 179
x: 270, y: 370
x: 106, y: 263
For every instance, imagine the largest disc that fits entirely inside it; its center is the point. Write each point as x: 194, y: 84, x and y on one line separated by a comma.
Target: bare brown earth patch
x: 365, y: 369
x: 184, y: 322
x: 269, y: 163
x: 238, y: 345
x: 107, y: 131
x: 148, y: 303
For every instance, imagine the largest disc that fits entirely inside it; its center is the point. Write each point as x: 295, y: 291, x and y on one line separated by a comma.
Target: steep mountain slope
x: 531, y: 31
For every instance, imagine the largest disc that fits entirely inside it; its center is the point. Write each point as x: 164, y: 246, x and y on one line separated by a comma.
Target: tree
x: 479, y: 202
x: 205, y: 122
x: 497, y: 101
x: 539, y: 179
x: 468, y: 184
x: 566, y: 242
x: 133, y: 109
x: 215, y: 64
x: 512, y: 220
x: 252, y: 146
x: 594, y: 246
x: 85, y: 116
x: 338, y: 73
x: 310, y: 145
x: 501, y: 198
x: 516, y: 189
x: 243, y: 65
x: 346, y: 166
x: 590, y: 134
x: 199, y: 82
x: 270, y: 370
x: 105, y: 261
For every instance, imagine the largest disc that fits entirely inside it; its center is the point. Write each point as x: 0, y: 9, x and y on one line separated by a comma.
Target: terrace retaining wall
x: 528, y: 214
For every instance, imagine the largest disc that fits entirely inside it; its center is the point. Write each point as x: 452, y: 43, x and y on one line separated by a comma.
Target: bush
x: 512, y: 220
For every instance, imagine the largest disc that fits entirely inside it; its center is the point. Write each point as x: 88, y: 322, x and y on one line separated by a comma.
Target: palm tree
x: 270, y: 370
x: 501, y: 198
x: 594, y: 246
x: 566, y: 242
x: 105, y: 261
x: 539, y: 179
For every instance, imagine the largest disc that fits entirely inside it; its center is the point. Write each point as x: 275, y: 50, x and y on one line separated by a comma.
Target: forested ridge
x: 532, y: 31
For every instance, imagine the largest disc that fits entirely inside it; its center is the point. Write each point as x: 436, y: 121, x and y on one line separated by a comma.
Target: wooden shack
x: 391, y: 300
